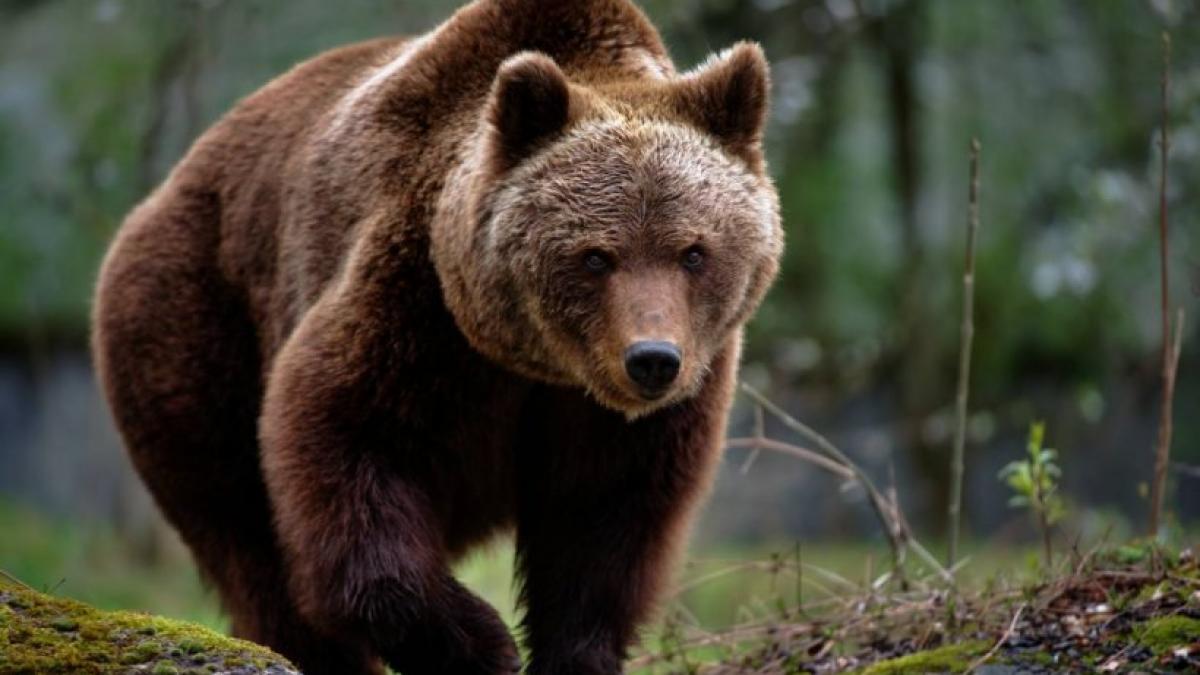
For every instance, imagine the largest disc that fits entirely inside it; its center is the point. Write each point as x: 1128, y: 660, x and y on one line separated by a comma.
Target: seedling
x: 1034, y: 482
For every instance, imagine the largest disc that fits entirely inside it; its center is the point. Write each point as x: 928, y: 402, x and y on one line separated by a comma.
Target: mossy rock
x: 40, y: 633
x: 954, y: 658
x: 1167, y: 633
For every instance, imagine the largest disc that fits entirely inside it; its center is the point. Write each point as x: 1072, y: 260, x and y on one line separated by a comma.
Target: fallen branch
x: 1012, y: 626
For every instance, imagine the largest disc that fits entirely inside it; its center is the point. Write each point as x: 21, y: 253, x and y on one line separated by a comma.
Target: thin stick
x: 15, y: 580
x: 799, y: 581
x: 759, y: 432
x: 964, y: 358
x: 1044, y: 523
x: 898, y: 533
x: 1012, y: 626
x: 1162, y: 451
x: 896, y: 514
x: 759, y: 444
x: 1186, y: 469
x: 875, y: 497
x: 717, y: 574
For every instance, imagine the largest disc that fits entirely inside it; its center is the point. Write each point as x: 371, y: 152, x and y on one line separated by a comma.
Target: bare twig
x: 759, y: 444
x: 717, y: 574
x: 1162, y: 451
x: 1087, y: 558
x: 896, y: 515
x: 1012, y: 626
x: 799, y: 580
x: 15, y: 580
x: 1186, y: 469
x: 875, y: 497
x: 898, y: 533
x: 964, y: 357
x: 759, y: 432
x: 1043, y: 516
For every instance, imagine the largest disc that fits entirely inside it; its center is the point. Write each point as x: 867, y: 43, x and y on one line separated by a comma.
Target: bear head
x: 612, y: 235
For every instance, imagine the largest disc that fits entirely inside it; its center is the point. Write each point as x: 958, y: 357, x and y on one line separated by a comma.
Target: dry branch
x: 895, y: 526
x: 1012, y: 626
x: 1186, y: 469
x: 756, y: 444
x: 1170, y: 348
x: 964, y: 358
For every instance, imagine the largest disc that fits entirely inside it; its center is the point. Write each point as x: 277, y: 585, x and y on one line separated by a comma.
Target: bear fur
x: 381, y: 310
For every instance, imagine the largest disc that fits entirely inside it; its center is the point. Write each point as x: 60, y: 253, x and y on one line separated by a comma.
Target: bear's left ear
x: 727, y: 97
x: 530, y: 103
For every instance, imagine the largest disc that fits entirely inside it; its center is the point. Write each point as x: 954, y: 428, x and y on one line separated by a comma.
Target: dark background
x: 874, y: 105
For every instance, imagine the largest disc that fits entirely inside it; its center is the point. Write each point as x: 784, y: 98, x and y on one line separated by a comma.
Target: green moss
x: 142, y: 652
x: 191, y: 647
x: 1166, y: 633
x: 43, y: 634
x: 1045, y: 659
x: 64, y: 624
x: 1131, y: 554
x: 948, y: 659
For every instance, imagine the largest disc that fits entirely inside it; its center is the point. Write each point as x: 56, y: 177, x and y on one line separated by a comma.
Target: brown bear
x: 416, y: 292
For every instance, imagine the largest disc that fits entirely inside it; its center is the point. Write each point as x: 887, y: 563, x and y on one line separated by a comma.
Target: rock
x: 40, y: 633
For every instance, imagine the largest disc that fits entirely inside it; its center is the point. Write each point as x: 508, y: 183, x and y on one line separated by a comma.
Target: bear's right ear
x: 530, y: 103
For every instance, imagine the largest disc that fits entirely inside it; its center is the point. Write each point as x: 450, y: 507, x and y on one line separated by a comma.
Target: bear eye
x: 693, y: 258
x: 595, y: 262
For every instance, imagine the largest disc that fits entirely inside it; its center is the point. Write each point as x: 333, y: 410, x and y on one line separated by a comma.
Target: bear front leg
x: 588, y: 582
x: 604, y: 509
x: 364, y: 549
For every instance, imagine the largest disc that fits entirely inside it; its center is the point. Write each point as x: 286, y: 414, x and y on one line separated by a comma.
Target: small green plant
x: 1034, y: 482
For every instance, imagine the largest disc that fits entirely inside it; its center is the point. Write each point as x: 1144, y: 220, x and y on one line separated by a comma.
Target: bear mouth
x: 630, y: 400
x: 650, y: 395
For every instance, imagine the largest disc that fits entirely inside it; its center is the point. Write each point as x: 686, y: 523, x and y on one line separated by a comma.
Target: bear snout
x: 653, y: 366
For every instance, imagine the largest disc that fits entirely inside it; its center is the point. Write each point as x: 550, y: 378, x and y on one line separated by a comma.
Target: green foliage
x: 1034, y: 480
x: 97, y: 104
x: 1131, y: 554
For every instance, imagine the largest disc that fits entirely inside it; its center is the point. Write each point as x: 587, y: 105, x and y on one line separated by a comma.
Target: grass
x: 775, y: 601
x: 1101, y: 608
x: 729, y: 585
x: 90, y: 563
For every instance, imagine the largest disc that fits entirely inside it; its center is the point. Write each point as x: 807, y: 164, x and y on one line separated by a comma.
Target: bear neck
x: 478, y: 290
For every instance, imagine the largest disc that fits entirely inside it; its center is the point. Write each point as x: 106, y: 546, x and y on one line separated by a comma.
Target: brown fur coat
x: 416, y: 292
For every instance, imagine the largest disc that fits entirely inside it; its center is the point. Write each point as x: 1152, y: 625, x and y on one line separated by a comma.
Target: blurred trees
x: 875, y: 101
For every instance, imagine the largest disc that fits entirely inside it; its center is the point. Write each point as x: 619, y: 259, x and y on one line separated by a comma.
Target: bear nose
x: 653, y: 365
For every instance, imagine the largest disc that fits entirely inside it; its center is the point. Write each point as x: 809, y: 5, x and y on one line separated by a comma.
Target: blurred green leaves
x: 1034, y: 483
x: 98, y: 98
x: 1034, y: 480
